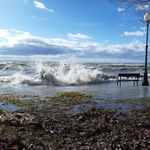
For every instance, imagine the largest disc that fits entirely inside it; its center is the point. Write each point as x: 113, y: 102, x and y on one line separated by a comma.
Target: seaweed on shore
x: 64, y: 101
x: 97, y: 128
x: 38, y: 125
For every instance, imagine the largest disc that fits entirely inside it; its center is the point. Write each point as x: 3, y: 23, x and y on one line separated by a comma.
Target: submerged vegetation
x: 63, y: 101
x: 46, y: 123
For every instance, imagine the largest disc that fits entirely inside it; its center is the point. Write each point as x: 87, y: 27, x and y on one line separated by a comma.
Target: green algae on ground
x: 133, y: 102
x: 70, y: 94
x: 70, y: 99
x: 10, y: 97
x: 20, y: 100
x: 24, y: 103
x: 63, y: 101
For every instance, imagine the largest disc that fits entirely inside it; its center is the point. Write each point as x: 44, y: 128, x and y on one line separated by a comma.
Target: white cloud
x: 135, y: 46
x: 34, y: 17
x: 41, y: 6
x: 78, y: 35
x: 105, y: 41
x: 63, y: 58
x: 33, y: 57
x: 4, y: 33
x: 20, y: 45
x: 13, y: 38
x: 25, y: 1
x: 143, y: 28
x: 122, y: 25
x: 136, y: 33
x: 142, y: 7
x: 121, y: 9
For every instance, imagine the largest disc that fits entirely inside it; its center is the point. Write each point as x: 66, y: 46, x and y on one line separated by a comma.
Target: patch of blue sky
x: 52, y: 30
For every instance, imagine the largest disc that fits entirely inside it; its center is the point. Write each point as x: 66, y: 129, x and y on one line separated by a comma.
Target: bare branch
x: 140, y: 7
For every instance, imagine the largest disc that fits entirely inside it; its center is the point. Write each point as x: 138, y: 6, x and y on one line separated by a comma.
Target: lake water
x: 47, y: 78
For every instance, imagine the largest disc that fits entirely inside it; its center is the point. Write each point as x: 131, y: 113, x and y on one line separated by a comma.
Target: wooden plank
x: 128, y: 80
x: 137, y: 75
x: 129, y: 74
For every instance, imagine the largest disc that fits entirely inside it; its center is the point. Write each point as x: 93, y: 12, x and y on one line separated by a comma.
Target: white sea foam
x: 70, y: 74
x: 62, y: 74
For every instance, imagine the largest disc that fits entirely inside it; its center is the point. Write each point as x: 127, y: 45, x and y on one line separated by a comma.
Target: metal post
x: 145, y: 82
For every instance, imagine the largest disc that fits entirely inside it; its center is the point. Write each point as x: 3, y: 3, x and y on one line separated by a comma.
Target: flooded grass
x: 138, y: 103
x: 65, y: 101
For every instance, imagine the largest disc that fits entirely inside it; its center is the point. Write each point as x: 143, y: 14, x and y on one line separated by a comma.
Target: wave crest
x: 59, y: 74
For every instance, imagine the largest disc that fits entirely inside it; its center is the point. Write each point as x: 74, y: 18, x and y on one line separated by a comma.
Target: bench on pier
x: 134, y: 77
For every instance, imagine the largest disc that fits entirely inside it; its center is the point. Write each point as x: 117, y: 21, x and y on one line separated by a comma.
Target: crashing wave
x: 60, y: 75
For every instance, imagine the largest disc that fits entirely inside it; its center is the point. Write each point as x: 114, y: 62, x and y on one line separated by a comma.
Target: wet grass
x: 140, y: 102
x: 63, y: 101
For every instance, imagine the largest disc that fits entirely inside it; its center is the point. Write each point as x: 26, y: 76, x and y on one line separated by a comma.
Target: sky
x: 70, y: 30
